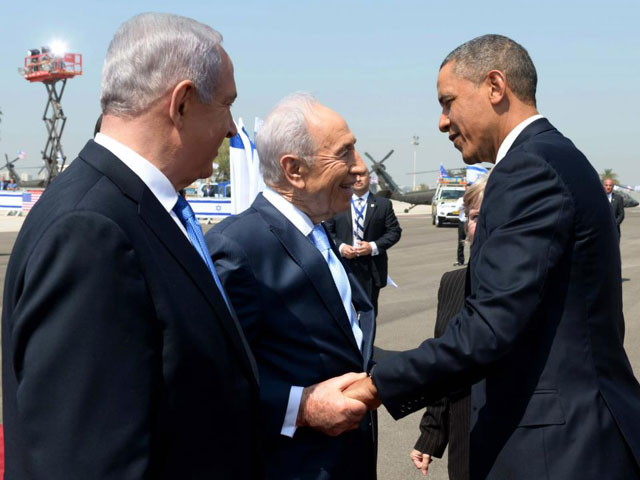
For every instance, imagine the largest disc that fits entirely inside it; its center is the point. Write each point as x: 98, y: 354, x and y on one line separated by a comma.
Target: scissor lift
x: 53, y: 71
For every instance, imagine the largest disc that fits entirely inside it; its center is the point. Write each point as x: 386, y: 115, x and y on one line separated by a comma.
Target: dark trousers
x: 462, y: 235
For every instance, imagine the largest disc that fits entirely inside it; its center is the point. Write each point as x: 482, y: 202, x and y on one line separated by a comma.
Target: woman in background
x: 447, y: 420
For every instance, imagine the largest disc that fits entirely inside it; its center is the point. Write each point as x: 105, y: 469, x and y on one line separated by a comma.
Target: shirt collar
x: 296, y: 216
x: 364, y: 197
x: 513, y: 134
x: 152, y: 177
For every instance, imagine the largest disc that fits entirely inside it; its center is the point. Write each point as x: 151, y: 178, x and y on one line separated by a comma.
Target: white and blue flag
x: 244, y: 165
x: 474, y: 173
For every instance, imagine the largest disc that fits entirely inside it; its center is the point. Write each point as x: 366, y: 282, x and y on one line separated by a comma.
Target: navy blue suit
x: 120, y: 357
x: 298, y: 330
x: 541, y: 330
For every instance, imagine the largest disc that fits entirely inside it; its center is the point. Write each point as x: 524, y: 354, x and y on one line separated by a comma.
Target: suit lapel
x: 310, y: 260
x: 349, y: 216
x: 371, y: 210
x: 167, y: 232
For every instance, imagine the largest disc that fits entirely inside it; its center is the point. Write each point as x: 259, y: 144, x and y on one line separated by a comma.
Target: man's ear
x: 497, y: 86
x: 295, y: 170
x: 182, y: 97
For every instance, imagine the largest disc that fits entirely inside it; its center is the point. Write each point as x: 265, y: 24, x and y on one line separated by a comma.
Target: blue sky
x: 374, y: 62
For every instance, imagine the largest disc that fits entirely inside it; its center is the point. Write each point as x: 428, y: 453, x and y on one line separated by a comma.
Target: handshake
x: 338, y: 404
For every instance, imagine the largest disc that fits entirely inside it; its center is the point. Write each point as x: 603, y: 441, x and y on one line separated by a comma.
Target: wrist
x: 301, y: 420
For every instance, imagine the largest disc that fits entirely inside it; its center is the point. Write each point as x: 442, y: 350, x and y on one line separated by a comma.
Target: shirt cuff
x: 340, y: 248
x: 289, y: 425
x: 374, y: 249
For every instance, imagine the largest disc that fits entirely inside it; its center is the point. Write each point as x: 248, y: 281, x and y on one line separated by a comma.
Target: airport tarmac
x: 407, y: 313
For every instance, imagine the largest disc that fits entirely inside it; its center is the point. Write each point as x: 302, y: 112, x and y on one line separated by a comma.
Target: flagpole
x: 415, y: 143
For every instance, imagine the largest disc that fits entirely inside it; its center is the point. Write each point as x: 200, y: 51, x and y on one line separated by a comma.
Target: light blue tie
x: 184, y: 212
x: 321, y: 241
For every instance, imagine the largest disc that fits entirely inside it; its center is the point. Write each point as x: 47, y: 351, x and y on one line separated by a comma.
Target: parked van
x: 443, y: 205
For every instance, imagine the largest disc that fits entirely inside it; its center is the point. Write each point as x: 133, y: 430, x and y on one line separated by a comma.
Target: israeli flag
x: 443, y: 173
x: 474, y: 173
x: 246, y: 181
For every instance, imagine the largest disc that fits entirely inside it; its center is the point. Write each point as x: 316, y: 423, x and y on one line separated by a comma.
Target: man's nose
x: 444, y: 123
x: 233, y: 131
x: 358, y: 167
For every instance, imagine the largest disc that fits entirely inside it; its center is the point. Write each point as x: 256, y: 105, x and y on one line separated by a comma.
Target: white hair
x: 285, y: 131
x: 153, y: 52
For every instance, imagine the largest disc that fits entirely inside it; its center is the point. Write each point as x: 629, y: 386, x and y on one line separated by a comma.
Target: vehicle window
x: 451, y: 194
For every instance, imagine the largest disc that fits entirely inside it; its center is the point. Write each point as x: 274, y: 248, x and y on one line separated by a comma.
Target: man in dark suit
x: 541, y: 332
x: 122, y: 357
x: 304, y: 313
x: 364, y: 233
x: 616, y: 201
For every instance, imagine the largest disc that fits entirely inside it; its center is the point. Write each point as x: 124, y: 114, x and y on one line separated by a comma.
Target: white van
x: 443, y: 205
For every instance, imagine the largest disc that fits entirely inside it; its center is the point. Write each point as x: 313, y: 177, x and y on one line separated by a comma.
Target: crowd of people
x: 10, y: 184
x: 136, y: 347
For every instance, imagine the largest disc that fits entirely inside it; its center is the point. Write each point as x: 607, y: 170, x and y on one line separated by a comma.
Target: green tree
x: 609, y: 173
x: 222, y: 173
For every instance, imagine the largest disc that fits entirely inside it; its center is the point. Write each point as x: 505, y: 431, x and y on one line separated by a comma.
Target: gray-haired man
x: 122, y: 357
x: 540, y: 336
x: 306, y: 317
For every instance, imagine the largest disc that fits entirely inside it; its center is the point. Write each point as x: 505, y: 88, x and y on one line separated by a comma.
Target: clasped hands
x: 363, y: 249
x: 338, y: 404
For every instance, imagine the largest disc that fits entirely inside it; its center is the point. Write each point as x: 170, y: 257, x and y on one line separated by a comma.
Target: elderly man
x: 122, y: 357
x: 541, y: 331
x: 305, y: 316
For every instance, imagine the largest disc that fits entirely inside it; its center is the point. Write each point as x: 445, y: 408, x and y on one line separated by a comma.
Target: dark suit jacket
x: 380, y: 226
x: 120, y: 358
x: 446, y: 421
x: 292, y: 314
x: 617, y: 207
x: 541, y: 330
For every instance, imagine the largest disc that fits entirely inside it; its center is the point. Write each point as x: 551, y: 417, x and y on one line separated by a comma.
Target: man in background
x: 616, y: 201
x: 364, y: 233
x: 122, y: 356
x: 462, y: 231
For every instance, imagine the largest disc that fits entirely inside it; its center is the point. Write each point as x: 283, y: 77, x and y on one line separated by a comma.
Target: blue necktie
x: 358, y: 232
x: 321, y: 241
x: 184, y: 212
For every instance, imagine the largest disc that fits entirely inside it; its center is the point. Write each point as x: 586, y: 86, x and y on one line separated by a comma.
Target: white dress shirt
x: 152, y: 177
x: 513, y: 134
x: 303, y: 223
x: 354, y: 199
x: 460, y: 207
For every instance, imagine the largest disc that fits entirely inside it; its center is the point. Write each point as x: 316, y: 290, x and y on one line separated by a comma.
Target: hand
x: 365, y: 391
x: 348, y: 251
x: 324, y: 407
x: 420, y: 460
x: 363, y: 249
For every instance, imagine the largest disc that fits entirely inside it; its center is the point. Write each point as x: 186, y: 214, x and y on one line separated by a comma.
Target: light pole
x: 415, y: 143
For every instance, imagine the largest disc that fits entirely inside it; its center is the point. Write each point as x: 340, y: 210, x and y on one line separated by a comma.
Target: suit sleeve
x: 244, y: 291
x: 392, y: 230
x: 619, y: 211
x: 87, y: 354
x: 434, y: 429
x: 525, y: 216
